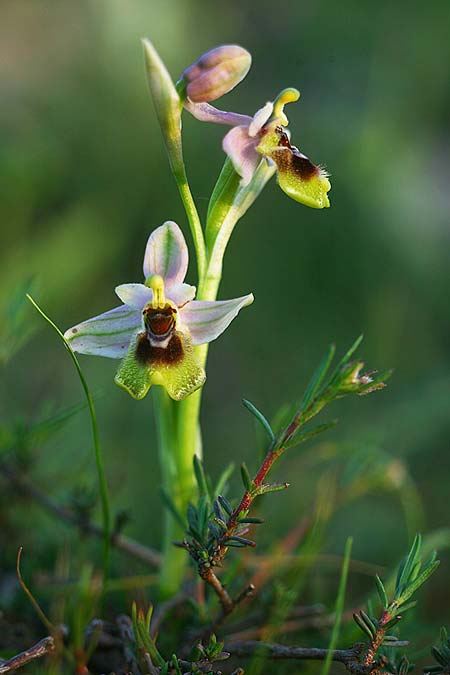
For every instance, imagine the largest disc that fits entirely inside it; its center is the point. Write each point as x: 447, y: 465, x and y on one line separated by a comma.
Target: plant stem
x: 195, y: 225
x: 106, y: 513
x: 173, y: 564
x: 37, y: 651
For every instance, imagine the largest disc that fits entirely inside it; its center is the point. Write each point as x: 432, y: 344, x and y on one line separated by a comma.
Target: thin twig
x: 40, y: 649
x: 349, y: 657
x: 212, y: 580
x: 130, y: 546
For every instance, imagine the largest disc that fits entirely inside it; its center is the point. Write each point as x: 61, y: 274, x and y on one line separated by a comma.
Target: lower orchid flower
x: 265, y: 135
x: 159, y: 323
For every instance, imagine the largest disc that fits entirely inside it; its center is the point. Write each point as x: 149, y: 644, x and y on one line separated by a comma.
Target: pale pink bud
x: 216, y: 73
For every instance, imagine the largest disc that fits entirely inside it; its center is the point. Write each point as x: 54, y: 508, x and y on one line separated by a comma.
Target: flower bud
x: 216, y: 73
x: 165, y: 98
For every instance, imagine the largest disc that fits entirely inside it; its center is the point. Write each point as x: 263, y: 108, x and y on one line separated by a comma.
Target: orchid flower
x: 158, y: 324
x: 264, y: 135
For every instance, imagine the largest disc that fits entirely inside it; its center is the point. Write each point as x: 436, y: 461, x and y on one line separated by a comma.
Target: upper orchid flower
x: 154, y: 331
x: 264, y: 135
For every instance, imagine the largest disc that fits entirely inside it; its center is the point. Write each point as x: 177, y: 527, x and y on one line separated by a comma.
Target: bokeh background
x: 83, y: 181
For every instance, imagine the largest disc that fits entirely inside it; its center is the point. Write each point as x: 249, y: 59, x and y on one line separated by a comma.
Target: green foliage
x: 145, y: 644
x: 339, y: 607
x: 441, y: 653
x: 411, y: 575
x: 260, y: 417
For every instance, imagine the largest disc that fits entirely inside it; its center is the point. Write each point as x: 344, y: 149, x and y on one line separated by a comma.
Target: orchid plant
x: 161, y: 332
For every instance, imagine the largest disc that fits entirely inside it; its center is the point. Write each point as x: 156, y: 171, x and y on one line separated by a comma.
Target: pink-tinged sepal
x: 166, y: 254
x: 208, y: 113
x: 241, y: 149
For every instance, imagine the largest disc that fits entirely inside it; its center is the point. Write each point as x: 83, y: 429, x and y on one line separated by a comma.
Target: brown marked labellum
x: 149, y: 355
x: 289, y: 158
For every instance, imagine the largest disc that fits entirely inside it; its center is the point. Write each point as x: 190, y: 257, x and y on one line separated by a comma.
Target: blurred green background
x: 83, y: 181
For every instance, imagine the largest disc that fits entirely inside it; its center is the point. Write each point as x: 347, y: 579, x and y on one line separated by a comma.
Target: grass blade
x: 339, y: 606
x: 106, y: 514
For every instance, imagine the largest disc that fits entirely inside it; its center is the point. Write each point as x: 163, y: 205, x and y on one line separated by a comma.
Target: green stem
x: 165, y: 418
x: 106, y: 513
x: 195, y: 225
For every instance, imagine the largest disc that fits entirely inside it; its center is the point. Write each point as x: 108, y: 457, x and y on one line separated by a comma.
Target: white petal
x: 208, y: 113
x: 180, y: 294
x: 108, y: 334
x: 166, y: 254
x: 241, y: 149
x: 134, y: 295
x: 260, y: 118
x: 207, y: 320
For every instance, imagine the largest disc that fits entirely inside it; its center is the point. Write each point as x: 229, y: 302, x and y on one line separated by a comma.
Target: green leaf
x: 261, y: 418
x: 368, y: 621
x: 405, y: 608
x: 227, y: 214
x: 247, y: 481
x: 307, y: 435
x: 271, y: 487
x: 439, y: 656
x: 242, y: 541
x: 318, y: 377
x: 407, y: 565
x: 381, y: 592
x: 225, y: 504
x: 347, y: 356
x: 339, y: 607
x: 417, y: 583
x: 200, y: 477
x: 221, y: 200
x: 367, y: 629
